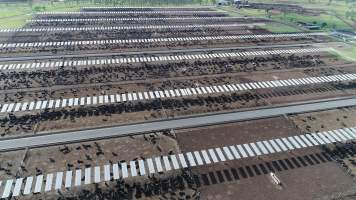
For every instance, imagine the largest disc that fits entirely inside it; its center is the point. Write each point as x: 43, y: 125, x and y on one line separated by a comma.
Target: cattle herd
x: 107, y: 51
x: 104, y: 66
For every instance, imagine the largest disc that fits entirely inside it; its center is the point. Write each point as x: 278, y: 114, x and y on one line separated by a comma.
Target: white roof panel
x: 49, y: 181
x: 58, y: 184
x: 129, y: 96
x: 281, y: 145
x: 101, y: 99
x: 94, y: 100
x: 57, y: 103
x: 342, y: 137
x: 300, y: 141
x: 351, y: 132
x: 124, y: 171
x: 318, y: 138
x: 205, y: 157
x: 115, y: 171
x: 220, y: 154
x: 213, y: 156
x: 262, y: 147
x: 255, y: 149
x: 324, y: 138
x: 68, y: 181
x: 25, y: 104
x: 7, y: 189
x: 107, y: 173
x: 228, y: 153
x: 28, y: 185
x: 310, y: 138
x: 289, y: 145
x: 198, y: 158
x: 141, y: 166
x: 242, y: 151
x: 182, y: 160
x: 17, y: 107
x: 166, y: 93
x: 17, y: 187
x: 64, y: 103
x: 166, y: 163
x: 203, y: 90
x: 133, y: 168
x: 328, y: 136
x: 306, y: 140
x: 174, y: 161
x: 97, y: 178
x: 294, y: 143
x: 106, y: 98
x: 191, y: 159
x: 10, y: 108
x: 150, y: 165
x: 38, y: 185
x: 158, y: 164
x: 248, y: 149
x: 268, y: 146
x: 4, y: 107
x: 145, y: 94
x: 345, y: 134
x: 235, y: 152
x: 78, y: 177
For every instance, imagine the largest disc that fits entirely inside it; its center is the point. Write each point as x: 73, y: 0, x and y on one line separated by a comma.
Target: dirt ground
x: 137, y: 72
x: 328, y: 120
x: 89, y: 154
x: 309, y: 170
x: 176, y: 81
x: 172, y: 107
x: 13, y: 52
x: 313, y: 181
x: 319, y: 173
x: 325, y: 120
x: 313, y: 170
x: 234, y: 133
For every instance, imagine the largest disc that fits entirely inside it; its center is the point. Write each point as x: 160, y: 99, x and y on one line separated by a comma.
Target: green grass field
x: 273, y: 27
x: 14, y: 15
x: 243, y: 12
x: 280, y: 28
x: 335, y: 12
x: 328, y: 22
x: 346, y: 53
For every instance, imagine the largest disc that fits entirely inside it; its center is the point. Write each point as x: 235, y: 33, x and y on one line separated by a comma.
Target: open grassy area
x: 346, y: 53
x: 326, y: 21
x: 337, y: 13
x: 273, y: 27
x: 280, y: 28
x: 243, y: 12
x: 14, y: 15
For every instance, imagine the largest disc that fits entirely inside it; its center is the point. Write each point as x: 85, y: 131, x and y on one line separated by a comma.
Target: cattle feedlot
x: 186, y: 101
